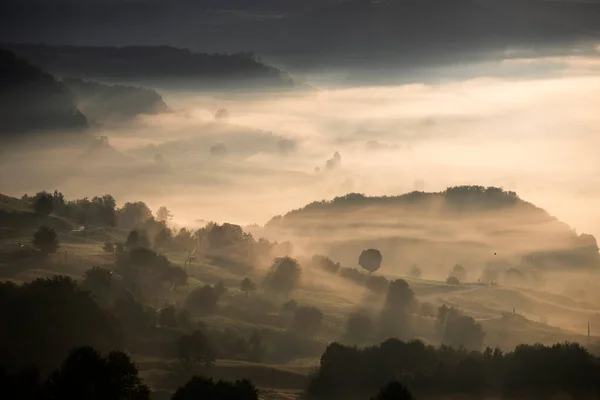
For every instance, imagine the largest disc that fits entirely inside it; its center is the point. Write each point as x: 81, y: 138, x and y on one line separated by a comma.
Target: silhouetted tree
x: 208, y: 389
x: 44, y: 319
x: 256, y: 348
x: 307, y: 320
x: 98, y: 281
x: 394, y: 391
x: 370, y: 260
x: 85, y: 374
x: 396, y: 312
x: 195, y: 348
x: 137, y: 238
x: 458, y: 330
x: 163, y: 238
x: 452, y: 280
x: 43, y: 203
x: 415, y: 272
x: 283, y: 276
x: 202, y: 300
x: 45, y: 239
x: 163, y: 214
x: 133, y: 215
x: 247, y: 286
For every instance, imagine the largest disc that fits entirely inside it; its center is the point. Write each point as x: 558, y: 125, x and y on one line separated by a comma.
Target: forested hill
x: 152, y: 63
x: 32, y: 100
x: 453, y: 199
x: 466, y: 224
x: 102, y: 102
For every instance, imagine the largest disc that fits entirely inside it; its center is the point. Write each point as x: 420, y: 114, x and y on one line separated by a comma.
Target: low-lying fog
x: 275, y: 152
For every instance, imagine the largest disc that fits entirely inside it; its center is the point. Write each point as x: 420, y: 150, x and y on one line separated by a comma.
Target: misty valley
x: 209, y: 200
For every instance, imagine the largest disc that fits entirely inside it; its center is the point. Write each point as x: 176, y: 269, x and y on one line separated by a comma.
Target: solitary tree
x: 247, y: 286
x: 415, y: 272
x: 283, y: 276
x: 45, y: 240
x: 370, y: 260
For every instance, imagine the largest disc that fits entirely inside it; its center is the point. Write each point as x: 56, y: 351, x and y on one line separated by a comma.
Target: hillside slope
x: 32, y: 100
x: 479, y: 227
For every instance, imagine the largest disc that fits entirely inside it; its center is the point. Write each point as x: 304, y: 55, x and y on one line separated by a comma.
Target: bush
x: 46, y: 240
x: 247, y: 286
x: 203, y: 300
x: 452, y: 280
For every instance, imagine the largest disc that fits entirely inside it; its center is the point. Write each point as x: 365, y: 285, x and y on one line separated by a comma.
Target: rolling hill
x: 484, y: 228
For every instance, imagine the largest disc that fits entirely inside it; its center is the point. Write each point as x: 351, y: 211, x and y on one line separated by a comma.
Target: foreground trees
x: 43, y: 320
x: 208, y: 389
x: 530, y: 371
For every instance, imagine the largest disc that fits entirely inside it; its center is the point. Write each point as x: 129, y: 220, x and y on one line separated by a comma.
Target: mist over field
x: 534, y: 136
x: 299, y: 199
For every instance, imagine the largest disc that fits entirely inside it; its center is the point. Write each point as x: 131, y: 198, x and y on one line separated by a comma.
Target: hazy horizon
x: 533, y: 136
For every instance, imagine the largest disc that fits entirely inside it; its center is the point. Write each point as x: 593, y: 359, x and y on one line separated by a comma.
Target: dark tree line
x: 530, y: 371
x: 87, y: 374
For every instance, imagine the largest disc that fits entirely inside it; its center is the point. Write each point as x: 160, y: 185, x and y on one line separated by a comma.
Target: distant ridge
x: 152, y: 63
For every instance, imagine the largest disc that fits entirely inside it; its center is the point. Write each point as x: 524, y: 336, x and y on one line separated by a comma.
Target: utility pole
x: 589, y: 334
